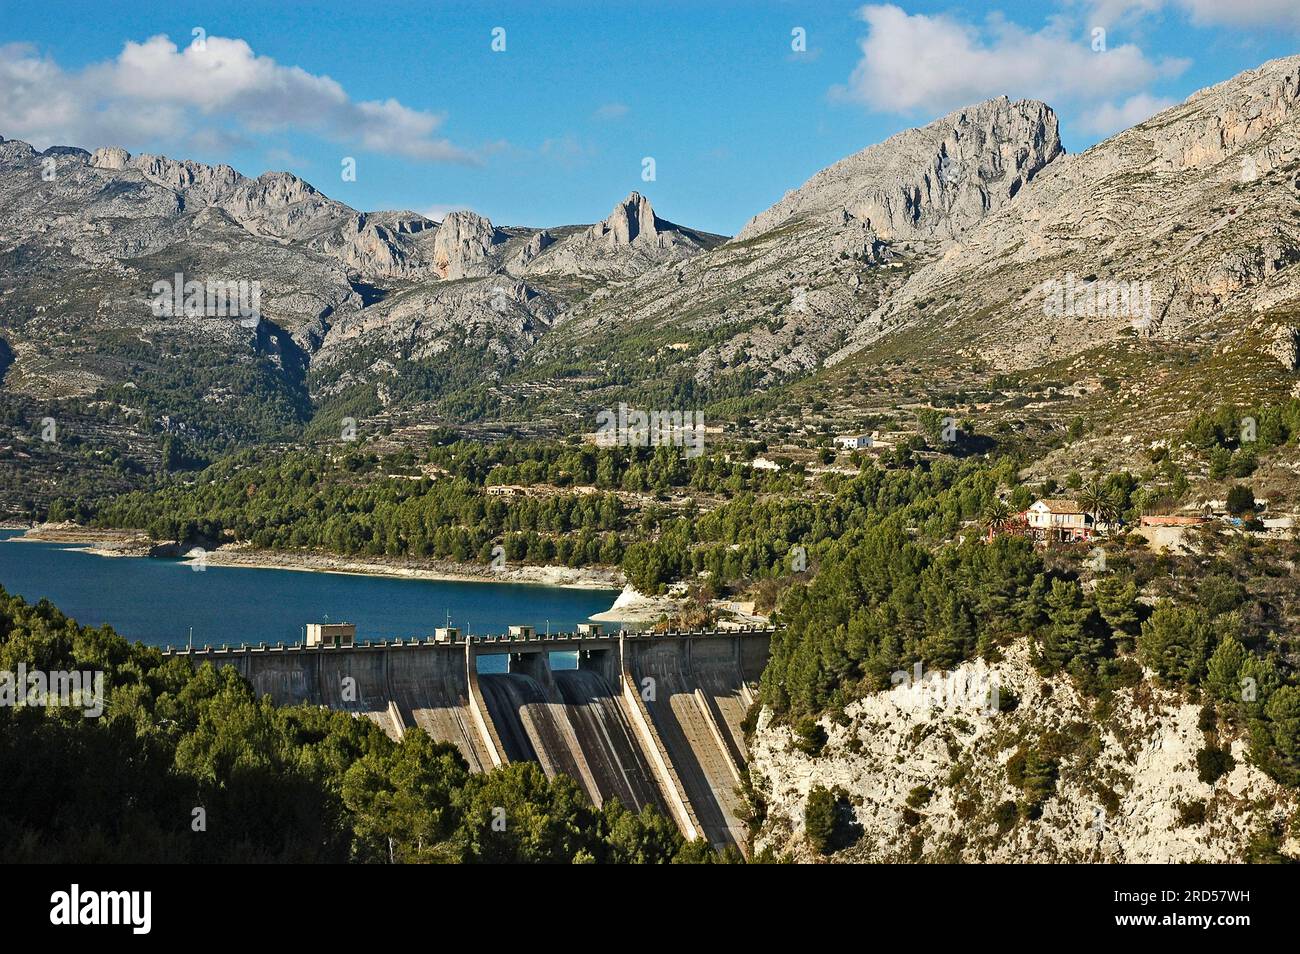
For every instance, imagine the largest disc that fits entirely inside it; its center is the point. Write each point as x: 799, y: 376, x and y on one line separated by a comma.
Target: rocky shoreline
x: 136, y: 543
x: 628, y: 607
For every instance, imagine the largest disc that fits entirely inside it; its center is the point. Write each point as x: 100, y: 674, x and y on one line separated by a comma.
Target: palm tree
x: 1110, y: 510
x: 997, y: 517
x: 1102, y: 504
x: 1093, y: 499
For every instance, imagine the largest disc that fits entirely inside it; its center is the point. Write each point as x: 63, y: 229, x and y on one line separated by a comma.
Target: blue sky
x: 554, y: 129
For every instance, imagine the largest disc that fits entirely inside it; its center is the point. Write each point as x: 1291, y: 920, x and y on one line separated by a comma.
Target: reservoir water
x: 157, y: 601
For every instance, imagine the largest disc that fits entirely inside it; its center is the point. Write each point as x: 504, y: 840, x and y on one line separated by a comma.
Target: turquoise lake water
x: 157, y: 601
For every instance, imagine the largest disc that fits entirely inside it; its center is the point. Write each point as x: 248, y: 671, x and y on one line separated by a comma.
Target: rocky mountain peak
x: 930, y: 182
x: 632, y: 218
x: 194, y: 180
x: 463, y: 245
x: 276, y: 204
x: 110, y: 157
x: 631, y: 240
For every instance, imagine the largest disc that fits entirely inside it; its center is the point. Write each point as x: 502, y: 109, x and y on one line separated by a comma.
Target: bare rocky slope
x: 798, y: 279
x: 934, y: 181
x: 931, y: 781
x: 1202, y: 201
x: 122, y: 216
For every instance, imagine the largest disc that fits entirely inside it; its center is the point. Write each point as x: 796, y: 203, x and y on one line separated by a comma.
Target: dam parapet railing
x: 553, y: 642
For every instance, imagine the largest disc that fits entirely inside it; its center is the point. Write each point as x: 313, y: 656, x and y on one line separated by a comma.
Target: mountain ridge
x: 947, y: 164
x: 932, y: 249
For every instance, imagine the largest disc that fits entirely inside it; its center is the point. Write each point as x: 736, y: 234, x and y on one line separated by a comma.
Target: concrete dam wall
x: 649, y: 719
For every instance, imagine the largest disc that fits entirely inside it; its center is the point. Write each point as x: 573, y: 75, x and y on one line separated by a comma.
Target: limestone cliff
x: 929, y: 182
x: 1200, y: 204
x: 932, y: 778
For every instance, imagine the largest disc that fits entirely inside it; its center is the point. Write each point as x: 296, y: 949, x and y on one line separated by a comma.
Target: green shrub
x: 1240, y: 499
x: 1212, y: 763
x: 1208, y: 719
x: 828, y: 820
x: 809, y: 736
x: 1191, y: 814
x: 1175, y: 642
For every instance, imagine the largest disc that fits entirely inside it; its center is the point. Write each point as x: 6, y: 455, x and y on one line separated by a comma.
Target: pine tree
x: 1223, y: 668
x: 1116, y: 600
x: 1283, y: 714
x: 1175, y: 642
x: 1071, y: 632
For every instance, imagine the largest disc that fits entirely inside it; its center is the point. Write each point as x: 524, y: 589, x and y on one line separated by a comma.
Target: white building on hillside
x: 1058, y: 519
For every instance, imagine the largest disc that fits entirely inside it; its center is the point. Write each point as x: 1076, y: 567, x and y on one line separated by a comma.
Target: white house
x: 1058, y: 519
x: 854, y: 441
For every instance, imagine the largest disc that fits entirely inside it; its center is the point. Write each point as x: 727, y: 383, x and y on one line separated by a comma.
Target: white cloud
x: 439, y: 211
x: 1246, y: 14
x: 154, y: 91
x: 280, y: 157
x: 611, y: 111
x: 934, y: 64
x: 1110, y: 118
x: 1113, y: 13
x: 567, y: 151
x: 45, y: 106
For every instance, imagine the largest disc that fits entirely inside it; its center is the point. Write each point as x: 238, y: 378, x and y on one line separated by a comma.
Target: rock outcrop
x: 1284, y: 347
x: 466, y: 245
x: 629, y: 241
x: 930, y: 776
x: 277, y: 204
x: 377, y: 245
x: 539, y: 243
x: 633, y: 220
x: 931, y: 182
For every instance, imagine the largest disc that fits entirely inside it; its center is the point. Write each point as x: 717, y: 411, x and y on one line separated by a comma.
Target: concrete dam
x: 647, y: 718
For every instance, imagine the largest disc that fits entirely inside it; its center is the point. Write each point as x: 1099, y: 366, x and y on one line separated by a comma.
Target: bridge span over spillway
x: 649, y: 718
